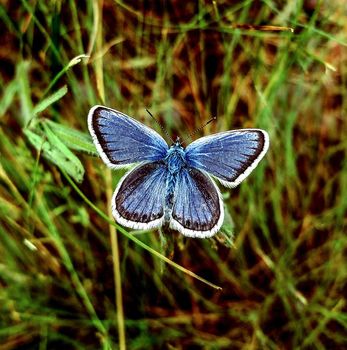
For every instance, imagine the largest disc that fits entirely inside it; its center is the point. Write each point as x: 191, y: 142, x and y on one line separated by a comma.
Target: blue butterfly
x: 172, y: 185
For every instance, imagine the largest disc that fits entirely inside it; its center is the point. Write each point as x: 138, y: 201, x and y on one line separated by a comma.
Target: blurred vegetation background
x: 70, y: 278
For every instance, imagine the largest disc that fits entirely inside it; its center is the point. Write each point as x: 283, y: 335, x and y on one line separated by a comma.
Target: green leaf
x: 8, y: 96
x: 55, y: 151
x: 41, y: 106
x: 24, y: 92
x: 72, y: 138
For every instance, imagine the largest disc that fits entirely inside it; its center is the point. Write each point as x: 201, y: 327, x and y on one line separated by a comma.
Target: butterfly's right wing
x: 198, y: 207
x: 138, y: 201
x: 122, y: 140
x: 229, y: 156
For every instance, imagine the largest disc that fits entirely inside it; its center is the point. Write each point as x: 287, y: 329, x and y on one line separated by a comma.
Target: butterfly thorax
x: 175, y: 159
x: 175, y: 162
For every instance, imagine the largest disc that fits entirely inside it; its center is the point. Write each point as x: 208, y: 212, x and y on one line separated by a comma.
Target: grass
x: 70, y: 277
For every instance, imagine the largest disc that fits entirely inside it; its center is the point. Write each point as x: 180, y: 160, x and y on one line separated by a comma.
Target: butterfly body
x: 174, y: 162
x: 172, y: 185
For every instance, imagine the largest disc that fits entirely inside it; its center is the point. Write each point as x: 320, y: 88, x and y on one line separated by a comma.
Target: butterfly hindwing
x: 138, y: 201
x: 230, y: 156
x: 122, y: 140
x: 198, y: 207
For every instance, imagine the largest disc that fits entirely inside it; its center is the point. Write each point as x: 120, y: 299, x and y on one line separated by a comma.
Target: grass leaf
x: 55, y: 151
x: 41, y: 106
x: 72, y: 138
x: 24, y: 92
x: 8, y: 95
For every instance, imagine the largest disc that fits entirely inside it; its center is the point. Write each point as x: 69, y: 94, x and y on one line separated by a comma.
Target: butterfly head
x: 178, y: 142
x: 176, y: 146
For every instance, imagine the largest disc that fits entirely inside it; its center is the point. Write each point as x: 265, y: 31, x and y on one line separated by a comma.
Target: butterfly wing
x: 198, y: 207
x: 230, y: 156
x: 122, y: 140
x: 138, y: 201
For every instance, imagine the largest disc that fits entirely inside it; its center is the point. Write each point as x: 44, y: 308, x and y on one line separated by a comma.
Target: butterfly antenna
x: 199, y: 129
x: 161, y: 126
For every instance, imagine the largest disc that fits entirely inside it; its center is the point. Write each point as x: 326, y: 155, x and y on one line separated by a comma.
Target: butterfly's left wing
x: 198, y: 207
x: 229, y: 156
x: 122, y: 140
x: 138, y: 201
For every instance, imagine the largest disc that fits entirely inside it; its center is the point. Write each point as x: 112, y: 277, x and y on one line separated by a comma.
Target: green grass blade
x: 56, y: 152
x: 72, y: 138
x: 45, y: 103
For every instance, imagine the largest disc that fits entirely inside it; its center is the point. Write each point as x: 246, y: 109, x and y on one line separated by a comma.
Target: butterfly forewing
x: 122, y: 140
x: 138, y: 201
x: 198, y: 207
x: 230, y: 156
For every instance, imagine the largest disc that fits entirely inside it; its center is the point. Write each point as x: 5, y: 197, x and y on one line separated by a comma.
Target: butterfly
x: 172, y: 185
